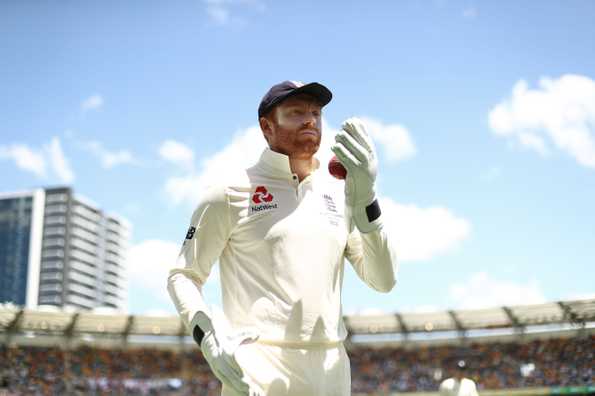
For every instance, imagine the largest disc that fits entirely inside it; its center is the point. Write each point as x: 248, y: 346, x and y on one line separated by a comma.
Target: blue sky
x: 483, y: 115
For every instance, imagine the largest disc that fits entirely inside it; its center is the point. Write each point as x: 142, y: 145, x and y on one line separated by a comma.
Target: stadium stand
x: 537, y: 349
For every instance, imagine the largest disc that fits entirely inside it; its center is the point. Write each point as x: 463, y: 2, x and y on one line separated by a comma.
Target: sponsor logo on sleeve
x: 262, y: 200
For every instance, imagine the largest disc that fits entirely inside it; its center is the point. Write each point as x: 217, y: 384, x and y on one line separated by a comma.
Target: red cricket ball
x: 337, y: 169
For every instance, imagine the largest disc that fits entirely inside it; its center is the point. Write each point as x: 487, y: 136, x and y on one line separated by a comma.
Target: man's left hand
x: 355, y: 150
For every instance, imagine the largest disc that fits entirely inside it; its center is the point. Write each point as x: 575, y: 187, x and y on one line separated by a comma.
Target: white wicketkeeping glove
x: 355, y: 150
x: 218, y: 348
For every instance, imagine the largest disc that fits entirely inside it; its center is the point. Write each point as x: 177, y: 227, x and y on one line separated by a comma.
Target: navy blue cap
x: 282, y: 91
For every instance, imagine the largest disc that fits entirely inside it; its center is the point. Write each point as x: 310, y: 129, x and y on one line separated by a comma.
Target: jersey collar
x: 277, y: 163
x: 274, y: 162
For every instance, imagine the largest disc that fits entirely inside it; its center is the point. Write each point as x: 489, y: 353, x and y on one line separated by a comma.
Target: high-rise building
x: 58, y: 248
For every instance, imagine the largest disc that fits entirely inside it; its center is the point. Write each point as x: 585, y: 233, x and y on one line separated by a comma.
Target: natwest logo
x: 261, y: 195
x: 262, y: 200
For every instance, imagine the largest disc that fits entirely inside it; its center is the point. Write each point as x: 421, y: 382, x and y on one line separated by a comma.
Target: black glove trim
x: 373, y: 211
x: 198, y: 335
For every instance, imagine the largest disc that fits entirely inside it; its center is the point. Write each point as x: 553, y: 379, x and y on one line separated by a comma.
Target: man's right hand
x: 219, y: 353
x: 219, y: 348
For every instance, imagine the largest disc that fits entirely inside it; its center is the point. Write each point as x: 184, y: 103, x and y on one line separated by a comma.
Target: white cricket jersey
x: 281, y: 246
x: 454, y: 387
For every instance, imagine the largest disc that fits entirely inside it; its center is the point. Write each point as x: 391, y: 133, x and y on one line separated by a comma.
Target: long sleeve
x: 471, y: 387
x: 206, y: 238
x: 374, y: 259
x: 446, y: 387
x: 442, y: 389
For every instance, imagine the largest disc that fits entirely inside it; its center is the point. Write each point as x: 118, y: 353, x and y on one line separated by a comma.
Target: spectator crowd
x: 495, y: 365
x: 538, y: 363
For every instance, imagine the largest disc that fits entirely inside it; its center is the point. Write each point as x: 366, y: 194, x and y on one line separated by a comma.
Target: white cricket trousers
x: 283, y: 371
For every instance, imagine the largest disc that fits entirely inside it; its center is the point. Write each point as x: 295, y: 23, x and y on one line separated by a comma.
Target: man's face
x: 459, y: 374
x: 294, y: 126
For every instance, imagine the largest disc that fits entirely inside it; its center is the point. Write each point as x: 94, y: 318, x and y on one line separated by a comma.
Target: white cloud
x: 157, y: 312
x: 393, y: 139
x: 177, y: 153
x: 422, y: 309
x: 183, y: 189
x: 422, y: 233
x: 220, y: 11
x: 25, y: 158
x: 93, y: 102
x: 112, y: 159
x: 470, y: 12
x: 148, y: 266
x: 149, y: 263
x: 370, y: 311
x: 560, y: 112
x: 534, y: 142
x: 580, y: 296
x: 481, y: 291
x: 35, y: 161
x: 59, y: 162
x: 109, y: 159
x: 243, y: 151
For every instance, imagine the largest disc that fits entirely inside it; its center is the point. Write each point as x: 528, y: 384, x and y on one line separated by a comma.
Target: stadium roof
x: 16, y: 320
x: 578, y: 312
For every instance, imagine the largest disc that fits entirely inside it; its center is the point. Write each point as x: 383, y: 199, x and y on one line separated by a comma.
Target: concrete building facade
x: 58, y: 248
